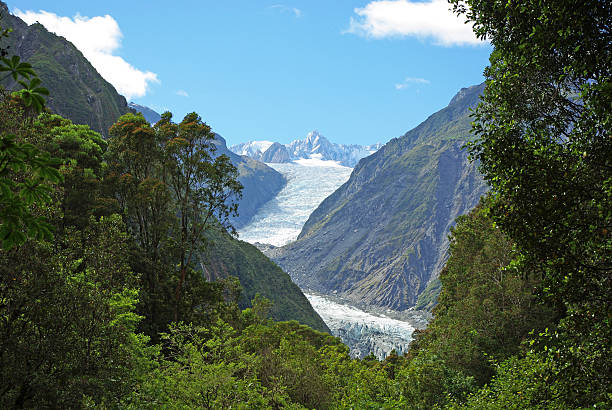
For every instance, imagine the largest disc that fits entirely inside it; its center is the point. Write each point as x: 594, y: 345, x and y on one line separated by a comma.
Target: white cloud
x: 286, y: 9
x: 402, y: 18
x: 98, y: 38
x: 408, y: 81
x: 182, y: 93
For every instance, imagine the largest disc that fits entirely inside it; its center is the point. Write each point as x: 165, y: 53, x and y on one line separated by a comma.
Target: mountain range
x: 314, y: 145
x: 382, y: 237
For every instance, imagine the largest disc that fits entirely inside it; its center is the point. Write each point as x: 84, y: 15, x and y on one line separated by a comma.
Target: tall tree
x: 171, y: 188
x: 204, y: 187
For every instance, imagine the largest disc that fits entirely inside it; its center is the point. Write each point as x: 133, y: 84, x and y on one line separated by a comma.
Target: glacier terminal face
x: 364, y: 332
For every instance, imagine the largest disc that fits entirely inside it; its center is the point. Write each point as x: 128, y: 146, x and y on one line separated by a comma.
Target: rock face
x: 226, y: 256
x: 313, y: 146
x: 150, y: 115
x: 76, y: 89
x: 383, y: 235
x: 276, y: 153
x: 261, y: 183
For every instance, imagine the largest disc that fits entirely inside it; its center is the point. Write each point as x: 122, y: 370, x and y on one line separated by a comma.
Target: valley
x: 280, y: 221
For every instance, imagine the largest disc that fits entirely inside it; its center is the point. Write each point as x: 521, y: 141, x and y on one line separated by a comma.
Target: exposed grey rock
x: 277, y: 153
x: 383, y: 235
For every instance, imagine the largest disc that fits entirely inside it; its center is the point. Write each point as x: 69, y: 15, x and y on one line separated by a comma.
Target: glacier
x: 279, y: 221
x: 366, y: 332
x: 309, y: 181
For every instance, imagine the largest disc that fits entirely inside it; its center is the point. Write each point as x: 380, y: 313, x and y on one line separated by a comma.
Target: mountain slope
x: 261, y: 183
x: 150, y: 115
x: 226, y: 256
x: 382, y: 236
x: 76, y: 89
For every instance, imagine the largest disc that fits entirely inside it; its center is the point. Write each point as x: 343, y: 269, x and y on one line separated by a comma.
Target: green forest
x: 102, y: 303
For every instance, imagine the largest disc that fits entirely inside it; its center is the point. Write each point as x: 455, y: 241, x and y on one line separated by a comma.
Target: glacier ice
x: 309, y: 182
x: 364, y: 332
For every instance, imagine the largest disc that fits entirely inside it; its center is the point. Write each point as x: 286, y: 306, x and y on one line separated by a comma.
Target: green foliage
x: 171, y: 191
x: 80, y: 151
x: 32, y: 94
x: 16, y: 68
x: 225, y: 256
x: 67, y: 327
x: 543, y: 140
x: 520, y: 383
x: 485, y: 309
x: 26, y: 175
x: 429, y: 297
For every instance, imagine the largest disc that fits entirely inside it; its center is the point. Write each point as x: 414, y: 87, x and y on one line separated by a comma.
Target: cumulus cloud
x: 286, y: 9
x: 402, y: 18
x: 98, y: 38
x: 408, y: 81
x: 182, y: 93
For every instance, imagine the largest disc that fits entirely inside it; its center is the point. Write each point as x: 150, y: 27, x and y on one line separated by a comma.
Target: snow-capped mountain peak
x: 314, y: 146
x: 251, y: 148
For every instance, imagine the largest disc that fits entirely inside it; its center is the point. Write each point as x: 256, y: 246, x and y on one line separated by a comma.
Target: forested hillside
x: 77, y: 91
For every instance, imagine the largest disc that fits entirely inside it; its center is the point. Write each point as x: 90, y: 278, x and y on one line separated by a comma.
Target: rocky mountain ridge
x: 383, y: 235
x: 314, y: 145
x: 76, y: 89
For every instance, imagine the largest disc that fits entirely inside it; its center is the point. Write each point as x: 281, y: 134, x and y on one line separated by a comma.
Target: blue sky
x: 357, y: 71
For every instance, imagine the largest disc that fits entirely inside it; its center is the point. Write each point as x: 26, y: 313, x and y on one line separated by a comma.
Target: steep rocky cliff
x: 76, y: 89
x: 382, y: 236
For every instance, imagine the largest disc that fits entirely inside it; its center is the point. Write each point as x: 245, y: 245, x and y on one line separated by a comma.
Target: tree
x: 67, y: 321
x: 203, y: 186
x: 544, y: 130
x: 171, y: 189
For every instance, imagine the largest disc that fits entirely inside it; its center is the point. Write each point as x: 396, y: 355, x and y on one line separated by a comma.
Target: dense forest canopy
x: 101, y: 304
